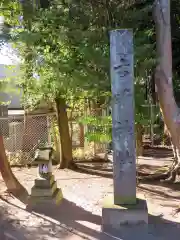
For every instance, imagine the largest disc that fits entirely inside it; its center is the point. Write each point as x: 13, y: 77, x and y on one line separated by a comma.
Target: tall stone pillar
x: 123, y: 207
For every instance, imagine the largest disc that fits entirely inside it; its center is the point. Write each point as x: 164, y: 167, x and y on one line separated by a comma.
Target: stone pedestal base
x: 44, y: 191
x: 115, y: 218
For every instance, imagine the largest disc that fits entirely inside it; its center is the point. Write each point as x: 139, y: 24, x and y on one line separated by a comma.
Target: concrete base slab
x: 116, y: 218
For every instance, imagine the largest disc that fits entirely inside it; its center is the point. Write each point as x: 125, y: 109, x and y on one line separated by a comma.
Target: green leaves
x: 73, y: 41
x: 98, y: 128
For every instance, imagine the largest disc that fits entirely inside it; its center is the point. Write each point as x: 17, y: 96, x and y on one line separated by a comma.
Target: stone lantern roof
x: 43, y: 155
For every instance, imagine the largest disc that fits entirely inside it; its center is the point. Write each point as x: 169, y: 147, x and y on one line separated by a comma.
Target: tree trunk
x: 63, y: 126
x: 166, y: 136
x: 81, y: 135
x: 71, y: 122
x: 57, y: 143
x: 163, y: 76
x: 139, y: 140
x: 96, y: 111
x: 13, y: 185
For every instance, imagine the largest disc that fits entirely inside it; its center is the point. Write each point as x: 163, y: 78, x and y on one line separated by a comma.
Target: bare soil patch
x: 79, y: 216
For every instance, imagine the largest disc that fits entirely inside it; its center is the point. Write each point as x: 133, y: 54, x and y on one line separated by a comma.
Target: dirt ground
x: 79, y: 215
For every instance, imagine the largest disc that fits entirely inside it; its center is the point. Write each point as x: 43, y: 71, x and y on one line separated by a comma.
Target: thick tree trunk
x: 13, y: 185
x: 63, y: 126
x: 166, y: 136
x: 57, y: 143
x: 163, y: 76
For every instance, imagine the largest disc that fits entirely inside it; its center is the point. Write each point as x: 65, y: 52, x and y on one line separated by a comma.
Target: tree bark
x: 166, y: 136
x: 12, y: 184
x: 57, y: 142
x: 63, y: 126
x: 81, y: 135
x: 163, y: 76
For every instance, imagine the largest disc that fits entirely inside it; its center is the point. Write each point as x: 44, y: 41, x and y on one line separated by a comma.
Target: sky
x: 8, y: 55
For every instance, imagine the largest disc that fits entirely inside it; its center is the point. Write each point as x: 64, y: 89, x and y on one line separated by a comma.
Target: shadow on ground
x: 106, y: 170
x: 72, y: 216
x: 71, y: 222
x: 152, y: 160
x: 157, y: 229
x: 162, y: 189
x: 158, y: 152
x: 66, y: 221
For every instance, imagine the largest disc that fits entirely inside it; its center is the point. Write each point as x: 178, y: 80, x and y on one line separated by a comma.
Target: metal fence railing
x: 23, y: 136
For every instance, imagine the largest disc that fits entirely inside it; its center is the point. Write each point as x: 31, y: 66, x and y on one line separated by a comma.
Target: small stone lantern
x: 45, y: 187
x: 43, y: 157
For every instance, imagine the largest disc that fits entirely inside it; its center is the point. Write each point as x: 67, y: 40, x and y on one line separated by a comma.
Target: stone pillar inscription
x: 122, y: 85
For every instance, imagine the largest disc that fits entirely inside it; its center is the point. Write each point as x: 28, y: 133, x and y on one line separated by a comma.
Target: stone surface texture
x: 116, y: 217
x: 123, y: 211
x: 44, y: 191
x: 122, y: 77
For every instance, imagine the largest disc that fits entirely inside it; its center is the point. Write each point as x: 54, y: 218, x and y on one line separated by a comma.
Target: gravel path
x: 79, y: 216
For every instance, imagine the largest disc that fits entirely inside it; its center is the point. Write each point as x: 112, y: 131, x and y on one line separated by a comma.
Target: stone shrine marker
x: 124, y: 156
x: 124, y: 207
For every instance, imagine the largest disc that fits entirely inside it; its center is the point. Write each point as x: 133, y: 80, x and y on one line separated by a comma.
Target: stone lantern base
x: 44, y: 191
